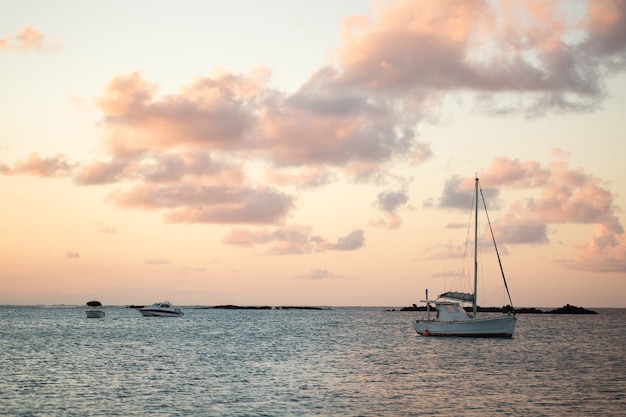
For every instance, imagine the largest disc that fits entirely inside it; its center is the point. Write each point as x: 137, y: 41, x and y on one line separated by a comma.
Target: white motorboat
x: 161, y: 309
x: 451, y: 318
x: 93, y: 312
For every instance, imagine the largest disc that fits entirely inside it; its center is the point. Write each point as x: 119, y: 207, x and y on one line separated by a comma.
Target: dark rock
x: 529, y: 310
x: 569, y: 309
x: 412, y: 308
x: 234, y: 307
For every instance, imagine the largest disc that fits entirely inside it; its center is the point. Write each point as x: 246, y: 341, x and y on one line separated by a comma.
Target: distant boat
x: 451, y: 318
x: 93, y: 312
x: 161, y: 309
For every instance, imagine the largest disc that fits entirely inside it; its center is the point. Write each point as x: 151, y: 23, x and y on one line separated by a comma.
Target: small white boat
x: 93, y: 312
x: 161, y: 309
x: 452, y: 319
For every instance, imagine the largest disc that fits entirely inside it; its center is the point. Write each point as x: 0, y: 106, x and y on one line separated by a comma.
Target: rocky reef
x: 569, y: 309
x: 566, y: 309
x: 235, y: 307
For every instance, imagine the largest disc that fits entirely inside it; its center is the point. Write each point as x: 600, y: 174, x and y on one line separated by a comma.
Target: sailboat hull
x: 503, y: 326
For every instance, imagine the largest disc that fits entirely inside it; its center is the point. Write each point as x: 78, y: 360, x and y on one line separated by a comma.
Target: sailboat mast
x: 474, y: 308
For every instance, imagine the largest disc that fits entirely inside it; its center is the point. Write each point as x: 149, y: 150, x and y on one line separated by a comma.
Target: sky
x: 311, y: 153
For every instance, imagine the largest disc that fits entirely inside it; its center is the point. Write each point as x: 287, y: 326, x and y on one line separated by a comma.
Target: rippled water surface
x: 342, y: 361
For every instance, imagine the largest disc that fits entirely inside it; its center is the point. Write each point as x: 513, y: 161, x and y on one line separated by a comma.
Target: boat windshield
x: 451, y: 312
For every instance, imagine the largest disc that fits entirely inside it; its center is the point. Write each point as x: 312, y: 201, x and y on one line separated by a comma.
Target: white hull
x: 503, y: 326
x: 162, y: 309
x: 160, y: 313
x: 94, y: 314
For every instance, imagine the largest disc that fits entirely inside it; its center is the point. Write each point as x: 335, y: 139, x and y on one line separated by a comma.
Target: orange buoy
x: 426, y: 333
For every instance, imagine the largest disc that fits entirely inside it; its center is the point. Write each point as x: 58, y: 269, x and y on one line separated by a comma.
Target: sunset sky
x: 310, y: 153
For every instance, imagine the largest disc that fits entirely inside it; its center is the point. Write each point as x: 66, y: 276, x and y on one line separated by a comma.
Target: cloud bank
x: 229, y: 149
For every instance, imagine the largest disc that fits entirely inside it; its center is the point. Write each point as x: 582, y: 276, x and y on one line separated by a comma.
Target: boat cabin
x: 450, y: 311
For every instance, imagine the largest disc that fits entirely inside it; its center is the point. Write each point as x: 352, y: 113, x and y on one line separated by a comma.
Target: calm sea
x: 337, y: 362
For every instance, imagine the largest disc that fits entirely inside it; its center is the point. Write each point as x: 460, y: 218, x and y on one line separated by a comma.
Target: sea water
x: 333, y: 362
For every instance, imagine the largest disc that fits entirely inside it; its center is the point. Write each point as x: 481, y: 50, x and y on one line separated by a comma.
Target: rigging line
x: 497, y: 252
x: 464, y: 272
x: 460, y: 278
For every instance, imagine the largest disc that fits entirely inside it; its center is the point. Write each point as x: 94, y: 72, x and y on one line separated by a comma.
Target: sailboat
x: 451, y: 318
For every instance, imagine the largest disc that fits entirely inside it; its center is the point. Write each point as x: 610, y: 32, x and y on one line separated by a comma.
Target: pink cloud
x: 364, y: 172
x: 288, y: 240
x: 318, y: 274
x: 388, y: 220
x: 565, y: 196
x: 457, y: 193
x: 389, y: 202
x: 560, y: 195
x: 353, y: 241
x: 514, y: 173
x: 293, y: 239
x: 98, y: 172
x: 604, y: 252
x: 160, y: 167
x: 316, y: 127
x: 502, y: 47
x: 411, y: 43
x: 162, y: 139
x: 197, y: 203
x: 176, y: 166
x: 56, y: 166
x: 301, y: 177
x: 247, y: 238
x: 27, y: 39
x: 210, y: 113
x: 607, y: 28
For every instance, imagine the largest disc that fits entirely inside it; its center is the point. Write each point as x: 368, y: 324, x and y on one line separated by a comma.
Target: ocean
x: 332, y: 362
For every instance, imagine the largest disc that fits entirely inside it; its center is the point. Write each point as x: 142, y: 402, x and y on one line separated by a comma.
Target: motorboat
x: 95, y: 310
x: 161, y: 309
x: 451, y: 318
